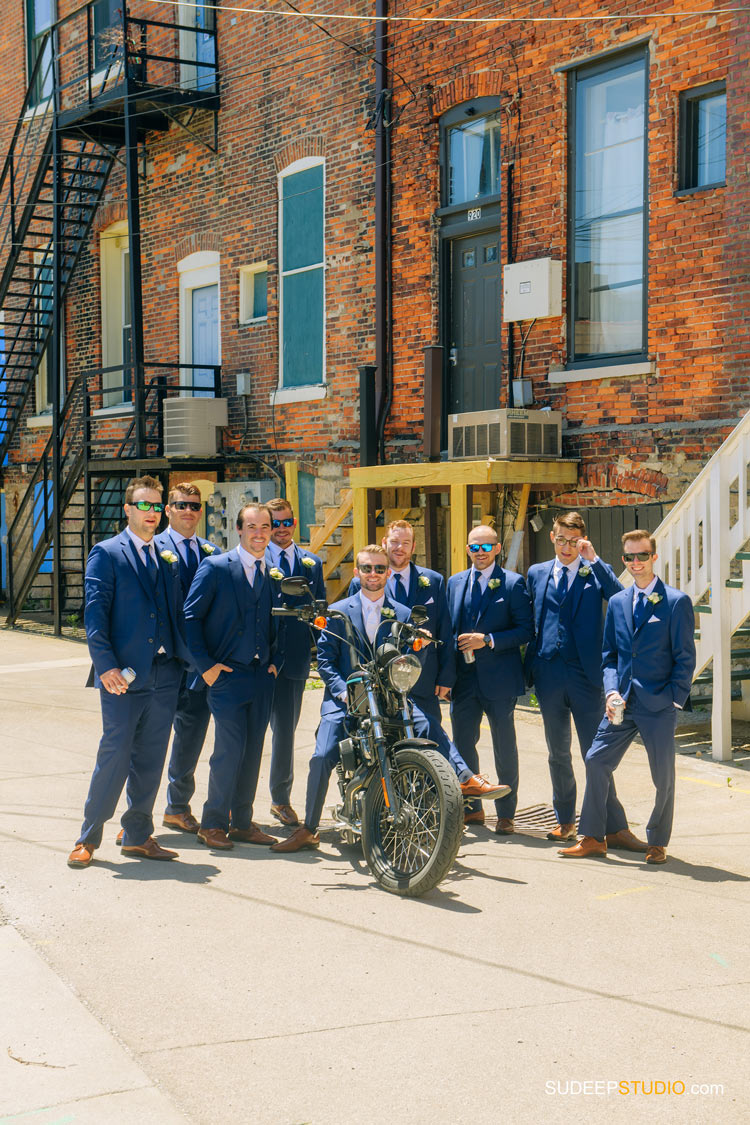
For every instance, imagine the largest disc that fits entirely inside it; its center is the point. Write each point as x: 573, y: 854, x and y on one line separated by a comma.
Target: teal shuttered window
x: 302, y: 276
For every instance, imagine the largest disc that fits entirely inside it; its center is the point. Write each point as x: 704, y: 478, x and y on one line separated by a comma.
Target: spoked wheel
x: 411, y: 857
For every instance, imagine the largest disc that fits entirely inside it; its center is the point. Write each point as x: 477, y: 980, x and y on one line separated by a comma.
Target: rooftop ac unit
x: 190, y: 426
x: 532, y: 434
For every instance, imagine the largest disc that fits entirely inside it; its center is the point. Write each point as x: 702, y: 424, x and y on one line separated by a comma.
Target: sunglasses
x: 147, y: 505
x: 369, y: 568
x: 187, y: 505
x: 283, y: 523
x: 642, y: 556
x: 486, y: 547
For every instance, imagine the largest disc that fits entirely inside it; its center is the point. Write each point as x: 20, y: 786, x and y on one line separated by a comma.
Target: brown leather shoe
x: 215, y: 838
x: 656, y: 854
x: 120, y: 835
x: 286, y: 814
x: 564, y: 832
x: 148, y: 850
x: 81, y: 856
x: 626, y: 841
x: 587, y: 846
x: 251, y: 835
x: 505, y: 826
x: 474, y: 817
x: 479, y: 786
x: 183, y: 822
x: 301, y: 838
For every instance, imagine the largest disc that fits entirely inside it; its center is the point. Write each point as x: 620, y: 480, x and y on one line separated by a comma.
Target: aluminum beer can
x: 618, y: 706
x: 128, y: 675
x: 469, y: 656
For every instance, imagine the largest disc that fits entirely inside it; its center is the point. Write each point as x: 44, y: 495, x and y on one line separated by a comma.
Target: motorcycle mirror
x: 296, y: 586
x: 419, y: 615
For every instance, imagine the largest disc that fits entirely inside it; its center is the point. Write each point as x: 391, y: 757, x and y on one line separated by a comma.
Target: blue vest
x: 255, y: 635
x: 468, y: 619
x: 556, y: 638
x: 163, y: 630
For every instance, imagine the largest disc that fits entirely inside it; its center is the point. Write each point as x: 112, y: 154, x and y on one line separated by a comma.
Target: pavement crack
x: 33, y: 1062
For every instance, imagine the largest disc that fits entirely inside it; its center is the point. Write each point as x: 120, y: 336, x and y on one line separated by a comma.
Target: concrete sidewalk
x: 251, y: 987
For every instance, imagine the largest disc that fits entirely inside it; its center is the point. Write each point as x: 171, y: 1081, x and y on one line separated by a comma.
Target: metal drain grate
x: 535, y: 819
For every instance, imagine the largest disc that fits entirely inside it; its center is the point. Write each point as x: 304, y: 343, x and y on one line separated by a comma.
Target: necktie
x: 286, y: 570
x: 562, y: 585
x: 258, y: 575
x: 398, y: 590
x: 372, y: 622
x: 191, y: 559
x: 476, y: 597
x: 639, y: 613
x: 151, y: 568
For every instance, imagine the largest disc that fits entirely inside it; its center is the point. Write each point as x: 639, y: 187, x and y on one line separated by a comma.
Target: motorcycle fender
x: 413, y: 744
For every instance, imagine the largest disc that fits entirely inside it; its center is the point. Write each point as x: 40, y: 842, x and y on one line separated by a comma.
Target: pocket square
x: 653, y: 617
x: 430, y: 601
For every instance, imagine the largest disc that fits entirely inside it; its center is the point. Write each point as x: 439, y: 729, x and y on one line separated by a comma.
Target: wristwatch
x: 487, y: 639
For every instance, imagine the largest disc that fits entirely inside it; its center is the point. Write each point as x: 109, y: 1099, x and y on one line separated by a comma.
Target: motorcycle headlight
x: 403, y: 673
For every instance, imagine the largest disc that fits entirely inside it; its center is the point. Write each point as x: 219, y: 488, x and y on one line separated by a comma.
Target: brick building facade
x: 258, y: 232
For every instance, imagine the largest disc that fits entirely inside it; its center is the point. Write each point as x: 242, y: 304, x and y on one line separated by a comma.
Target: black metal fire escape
x: 93, y: 96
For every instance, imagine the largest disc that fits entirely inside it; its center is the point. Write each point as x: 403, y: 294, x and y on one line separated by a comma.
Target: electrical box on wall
x: 224, y: 504
x: 532, y: 290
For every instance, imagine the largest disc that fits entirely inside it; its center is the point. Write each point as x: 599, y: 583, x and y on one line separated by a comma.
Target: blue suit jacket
x: 215, y: 612
x: 505, y: 612
x: 335, y: 658
x: 120, y: 613
x: 427, y: 588
x: 658, y: 659
x: 295, y: 638
x: 586, y: 599
x: 165, y: 542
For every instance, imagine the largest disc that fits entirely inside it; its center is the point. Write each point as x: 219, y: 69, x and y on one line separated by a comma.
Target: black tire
x: 412, y: 861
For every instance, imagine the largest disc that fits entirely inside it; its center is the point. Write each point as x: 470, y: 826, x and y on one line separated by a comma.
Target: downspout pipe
x: 383, y: 270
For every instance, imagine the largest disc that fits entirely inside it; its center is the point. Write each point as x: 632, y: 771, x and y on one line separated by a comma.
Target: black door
x: 474, y: 347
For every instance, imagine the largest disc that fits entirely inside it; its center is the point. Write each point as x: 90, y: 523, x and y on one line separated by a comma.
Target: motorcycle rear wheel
x: 410, y: 861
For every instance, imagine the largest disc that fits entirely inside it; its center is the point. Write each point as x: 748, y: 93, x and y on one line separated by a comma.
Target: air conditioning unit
x: 190, y: 426
x: 532, y: 434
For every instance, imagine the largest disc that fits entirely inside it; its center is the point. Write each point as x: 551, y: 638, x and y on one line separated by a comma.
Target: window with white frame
x: 253, y: 293
x: 114, y: 261
x: 200, y: 322
x: 302, y: 273
x: 43, y: 300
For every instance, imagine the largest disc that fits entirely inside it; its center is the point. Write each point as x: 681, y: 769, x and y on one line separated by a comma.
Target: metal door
x: 205, y: 342
x: 475, y: 370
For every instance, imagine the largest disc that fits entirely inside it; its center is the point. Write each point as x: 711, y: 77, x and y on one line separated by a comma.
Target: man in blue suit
x: 133, y: 622
x: 232, y: 642
x: 372, y: 613
x: 491, y: 614
x: 284, y: 559
x: 184, y: 509
x: 411, y: 585
x: 564, y: 664
x: 649, y: 660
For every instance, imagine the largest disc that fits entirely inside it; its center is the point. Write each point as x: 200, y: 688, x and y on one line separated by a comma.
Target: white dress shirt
x: 277, y: 552
x: 248, y: 563
x: 185, y: 544
x: 404, y: 575
x: 371, y: 614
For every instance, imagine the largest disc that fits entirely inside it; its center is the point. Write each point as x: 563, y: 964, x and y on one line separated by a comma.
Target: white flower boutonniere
x: 276, y: 573
x: 654, y: 598
x: 386, y: 612
x: 208, y: 549
x: 424, y: 582
x: 309, y: 563
x: 584, y: 571
x: 494, y: 583
x: 168, y: 556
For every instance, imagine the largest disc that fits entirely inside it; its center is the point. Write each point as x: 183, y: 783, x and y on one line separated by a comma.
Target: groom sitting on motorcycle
x: 371, y: 613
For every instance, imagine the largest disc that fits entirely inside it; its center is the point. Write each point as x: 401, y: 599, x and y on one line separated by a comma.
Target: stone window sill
x: 120, y: 410
x: 298, y: 394
x: 39, y: 422
x: 614, y: 371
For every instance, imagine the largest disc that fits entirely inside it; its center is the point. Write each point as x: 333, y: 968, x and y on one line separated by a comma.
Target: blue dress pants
x: 467, y: 707
x: 131, y: 755
x: 285, y: 713
x: 190, y: 726
x: 656, y: 728
x: 240, y: 703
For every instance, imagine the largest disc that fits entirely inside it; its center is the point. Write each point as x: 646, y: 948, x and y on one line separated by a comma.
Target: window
x: 471, y: 146
x: 607, y: 213
x: 40, y: 15
x: 116, y: 318
x: 200, y: 321
x: 198, y: 47
x: 107, y: 29
x: 44, y: 386
x: 703, y: 137
x: 253, y: 292
x: 302, y: 273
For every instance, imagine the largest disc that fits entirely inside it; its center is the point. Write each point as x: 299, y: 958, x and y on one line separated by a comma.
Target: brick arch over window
x: 297, y: 150
x: 194, y: 243
x: 466, y: 87
x: 109, y: 213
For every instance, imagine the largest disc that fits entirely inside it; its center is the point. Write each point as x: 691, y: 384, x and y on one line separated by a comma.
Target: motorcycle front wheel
x: 411, y: 859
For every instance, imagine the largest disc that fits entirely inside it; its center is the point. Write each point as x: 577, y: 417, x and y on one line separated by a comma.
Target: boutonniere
x: 386, y: 612
x: 424, y: 581
x: 654, y: 598
x: 494, y: 583
x: 168, y: 556
x: 584, y: 571
x: 276, y: 573
x: 208, y: 549
x: 308, y: 562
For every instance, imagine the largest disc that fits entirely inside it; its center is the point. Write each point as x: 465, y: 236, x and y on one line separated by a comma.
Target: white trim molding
x: 615, y: 371
x: 298, y: 394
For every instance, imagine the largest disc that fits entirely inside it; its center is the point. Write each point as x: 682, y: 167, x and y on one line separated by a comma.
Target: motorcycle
x: 399, y: 795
